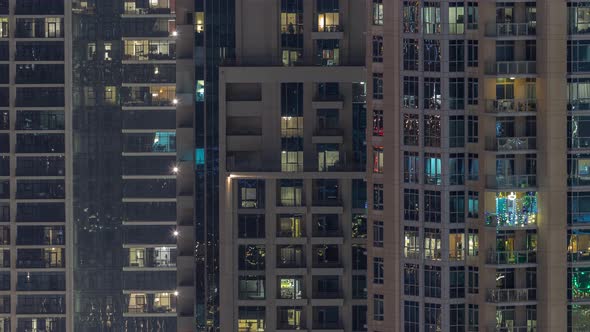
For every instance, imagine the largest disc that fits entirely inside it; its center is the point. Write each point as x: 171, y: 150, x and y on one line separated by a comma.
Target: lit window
x: 199, y: 22
x: 377, y: 12
x: 108, y: 48
x: 377, y: 159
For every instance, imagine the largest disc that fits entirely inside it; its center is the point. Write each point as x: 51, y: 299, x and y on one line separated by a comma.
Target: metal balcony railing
x: 510, y: 143
x: 511, y: 105
x: 511, y: 295
x: 514, y: 257
x: 511, y: 29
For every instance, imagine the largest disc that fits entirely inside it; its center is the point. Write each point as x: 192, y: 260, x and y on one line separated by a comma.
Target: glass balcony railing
x: 320, y: 263
x: 327, y: 325
x: 290, y: 326
x: 327, y: 202
x: 579, y: 256
x: 579, y: 104
x: 513, y: 257
x: 510, y: 143
x: 131, y: 9
x: 511, y: 295
x: 578, y: 142
x: 291, y: 263
x: 327, y: 233
x: 511, y: 105
x: 511, y: 29
x: 509, y: 220
x: 514, y: 329
x: 328, y: 132
x: 511, y: 181
x: 330, y: 28
x: 327, y: 294
x: 511, y: 68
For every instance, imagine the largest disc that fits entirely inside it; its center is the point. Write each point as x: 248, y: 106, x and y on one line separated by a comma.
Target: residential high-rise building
x: 35, y: 179
x: 477, y: 215
x: 87, y: 169
x: 292, y: 200
x: 476, y: 172
x: 123, y: 151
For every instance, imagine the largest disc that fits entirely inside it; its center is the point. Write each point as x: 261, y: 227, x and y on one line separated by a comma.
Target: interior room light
x: 512, y: 196
x: 512, y: 78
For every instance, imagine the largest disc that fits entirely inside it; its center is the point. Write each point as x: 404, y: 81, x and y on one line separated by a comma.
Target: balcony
x: 511, y: 144
x: 342, y: 165
x: 291, y: 233
x: 329, y: 132
x: 323, y: 101
x: 512, y: 68
x: 328, y: 31
x: 318, y: 325
x: 510, y: 30
x: 286, y: 326
x: 515, y: 329
x: 132, y: 10
x: 513, y: 106
x: 327, y: 233
x: 511, y: 221
x: 513, y: 182
x: 278, y: 61
x: 291, y: 263
x: 153, y: 309
x: 159, y: 303
x: 515, y: 257
x: 578, y: 143
x: 327, y: 294
x: 326, y: 264
x: 511, y: 296
x: 327, y: 202
x: 580, y: 104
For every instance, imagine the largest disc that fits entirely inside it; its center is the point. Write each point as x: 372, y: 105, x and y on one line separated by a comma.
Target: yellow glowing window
x: 3, y: 27
x: 328, y: 22
x: 199, y: 22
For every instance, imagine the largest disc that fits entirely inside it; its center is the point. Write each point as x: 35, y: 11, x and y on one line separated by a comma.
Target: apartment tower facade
x: 291, y: 168
x: 35, y: 179
x: 477, y: 205
x: 88, y: 165
x: 123, y: 250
